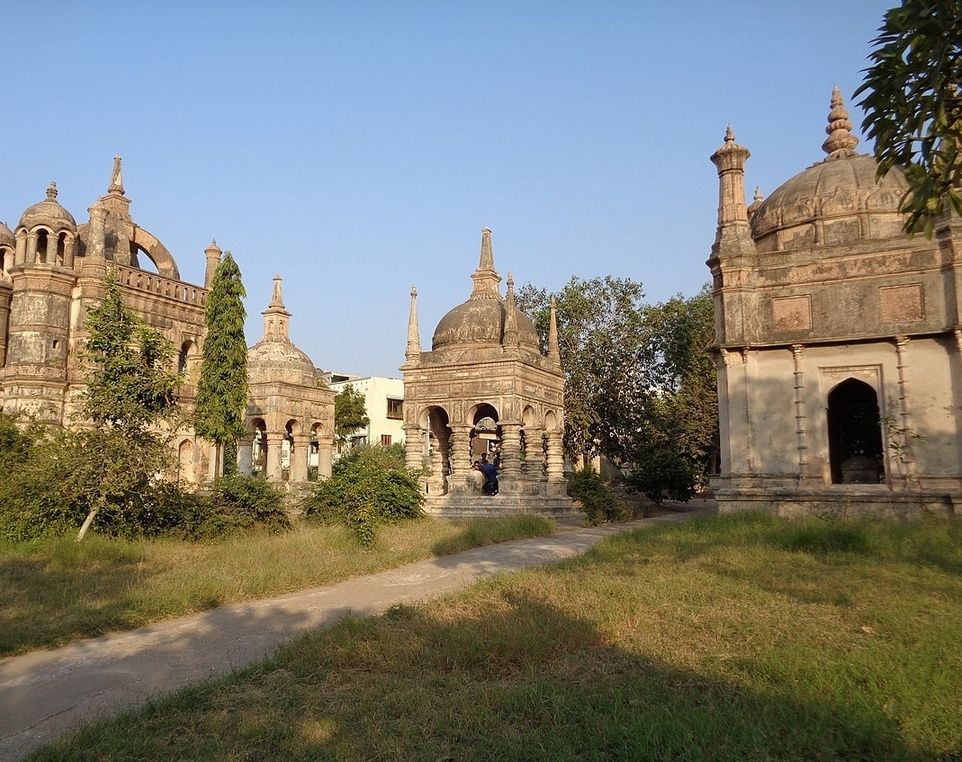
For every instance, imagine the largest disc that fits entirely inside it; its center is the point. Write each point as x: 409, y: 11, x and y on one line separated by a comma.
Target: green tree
x: 601, y: 336
x: 222, y: 388
x: 913, y: 105
x: 350, y: 412
x: 131, y: 391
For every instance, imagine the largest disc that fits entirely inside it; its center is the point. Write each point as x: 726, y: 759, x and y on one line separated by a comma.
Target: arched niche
x: 855, y: 434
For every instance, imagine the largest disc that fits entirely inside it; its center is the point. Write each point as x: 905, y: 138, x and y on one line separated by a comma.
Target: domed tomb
x: 480, y: 321
x: 838, y: 200
x: 275, y: 357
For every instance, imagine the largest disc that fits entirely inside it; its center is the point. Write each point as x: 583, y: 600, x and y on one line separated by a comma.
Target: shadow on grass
x: 498, y: 675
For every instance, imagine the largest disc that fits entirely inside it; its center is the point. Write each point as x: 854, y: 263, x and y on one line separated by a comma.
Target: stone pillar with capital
x: 533, y: 454
x: 510, y: 456
x: 299, y: 451
x: 459, y: 455
x: 272, y: 469
x: 245, y: 448
x: 31, y: 248
x: 325, y: 447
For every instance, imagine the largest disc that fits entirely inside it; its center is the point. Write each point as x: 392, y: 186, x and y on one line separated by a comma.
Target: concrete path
x: 45, y: 693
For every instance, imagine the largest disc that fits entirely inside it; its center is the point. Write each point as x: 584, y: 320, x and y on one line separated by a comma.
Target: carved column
x: 459, y: 444
x: 533, y: 454
x: 801, y: 428
x: 905, y: 421
x: 31, y: 248
x: 556, y: 466
x: 21, y: 254
x: 69, y: 247
x: 413, y: 447
x: 511, y: 449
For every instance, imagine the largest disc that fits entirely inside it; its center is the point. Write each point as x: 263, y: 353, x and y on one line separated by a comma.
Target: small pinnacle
x: 840, y: 141
x: 758, y: 194
x: 414, y: 290
x: 729, y: 134
x: 52, y: 190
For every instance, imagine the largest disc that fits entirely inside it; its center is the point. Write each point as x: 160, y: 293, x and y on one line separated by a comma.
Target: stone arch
x: 550, y: 421
x: 433, y: 415
x: 43, y: 235
x: 855, y: 450
x: 185, y: 355
x: 529, y: 416
x: 185, y: 462
x: 6, y: 259
x: 482, y: 410
x: 156, y: 252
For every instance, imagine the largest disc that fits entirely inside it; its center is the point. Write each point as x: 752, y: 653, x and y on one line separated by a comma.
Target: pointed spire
x: 276, y: 317
x: 756, y: 201
x: 277, y: 295
x: 413, y: 351
x: 52, y: 191
x: 554, y: 349
x: 116, y: 178
x: 840, y: 141
x: 486, y: 278
x: 511, y: 336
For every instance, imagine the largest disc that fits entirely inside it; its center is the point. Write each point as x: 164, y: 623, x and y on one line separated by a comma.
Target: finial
x: 116, y: 178
x: 413, y: 351
x: 554, y: 349
x: 510, y: 282
x: 414, y: 291
x: 729, y: 134
x: 840, y: 141
x: 758, y: 194
x: 486, y: 278
x: 212, y: 247
x: 52, y: 191
x: 277, y: 297
x: 486, y: 261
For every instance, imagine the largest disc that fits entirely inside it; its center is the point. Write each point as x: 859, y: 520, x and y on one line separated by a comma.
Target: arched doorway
x: 854, y: 434
x: 485, y: 432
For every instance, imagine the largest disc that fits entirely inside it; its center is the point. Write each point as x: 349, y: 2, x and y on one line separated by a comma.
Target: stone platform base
x: 452, y: 506
x: 847, y: 502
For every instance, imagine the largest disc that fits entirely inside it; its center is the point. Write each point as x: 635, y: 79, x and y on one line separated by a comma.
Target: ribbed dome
x: 480, y: 322
x: 834, y: 191
x: 272, y: 360
x: 49, y: 213
x: 6, y: 236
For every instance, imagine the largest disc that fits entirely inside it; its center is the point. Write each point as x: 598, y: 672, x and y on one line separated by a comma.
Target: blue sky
x: 357, y: 148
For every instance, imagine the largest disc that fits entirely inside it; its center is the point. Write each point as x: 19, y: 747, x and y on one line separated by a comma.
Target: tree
x: 222, y: 388
x: 913, y: 105
x: 601, y: 336
x: 350, y: 412
x: 131, y: 390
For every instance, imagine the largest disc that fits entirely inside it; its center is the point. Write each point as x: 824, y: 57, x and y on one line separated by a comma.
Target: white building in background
x: 384, y: 401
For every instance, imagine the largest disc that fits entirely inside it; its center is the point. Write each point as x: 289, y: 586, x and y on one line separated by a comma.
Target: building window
x: 385, y: 440
x: 395, y: 409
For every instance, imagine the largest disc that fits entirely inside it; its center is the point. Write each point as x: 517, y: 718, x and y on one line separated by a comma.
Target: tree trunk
x: 87, y: 522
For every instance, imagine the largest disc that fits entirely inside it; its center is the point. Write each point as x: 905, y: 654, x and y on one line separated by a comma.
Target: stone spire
x: 554, y: 348
x: 486, y: 278
x: 276, y: 317
x: 511, y: 338
x: 212, y: 252
x: 756, y: 201
x: 840, y: 141
x: 730, y: 161
x: 52, y: 191
x: 413, y: 351
x: 116, y: 178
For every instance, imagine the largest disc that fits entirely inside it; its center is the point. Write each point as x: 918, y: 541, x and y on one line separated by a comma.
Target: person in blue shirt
x: 490, y: 486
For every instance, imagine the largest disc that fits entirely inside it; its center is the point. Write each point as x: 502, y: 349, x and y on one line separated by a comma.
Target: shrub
x: 597, y: 500
x: 663, y: 474
x: 240, y: 502
x: 368, y: 486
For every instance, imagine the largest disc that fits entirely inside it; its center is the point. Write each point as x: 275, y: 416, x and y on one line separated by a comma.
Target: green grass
x: 56, y: 590
x: 742, y: 638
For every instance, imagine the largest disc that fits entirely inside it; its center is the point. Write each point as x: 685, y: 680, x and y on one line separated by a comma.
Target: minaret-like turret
x: 510, y: 340
x: 730, y: 161
x: 486, y: 278
x: 840, y: 141
x: 413, y: 351
x: 554, y: 349
x: 212, y: 252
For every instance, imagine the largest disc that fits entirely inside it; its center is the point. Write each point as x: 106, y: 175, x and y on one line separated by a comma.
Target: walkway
x: 45, y: 693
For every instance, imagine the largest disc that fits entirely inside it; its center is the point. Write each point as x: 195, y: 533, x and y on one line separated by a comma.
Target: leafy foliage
x: 913, y: 105
x: 350, y: 412
x: 662, y: 473
x: 597, y: 499
x: 15, y: 445
x: 368, y: 487
x: 222, y: 387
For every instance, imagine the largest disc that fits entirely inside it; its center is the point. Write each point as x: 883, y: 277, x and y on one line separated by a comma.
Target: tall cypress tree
x: 222, y: 389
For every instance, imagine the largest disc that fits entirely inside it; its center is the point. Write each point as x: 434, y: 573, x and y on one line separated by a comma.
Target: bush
x: 663, y: 474
x: 368, y: 486
x: 597, y: 500
x: 243, y: 502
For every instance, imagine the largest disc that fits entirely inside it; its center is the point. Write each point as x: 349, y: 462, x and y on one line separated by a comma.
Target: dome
x: 836, y: 192
x: 6, y: 236
x: 49, y: 213
x: 276, y: 360
x: 480, y: 322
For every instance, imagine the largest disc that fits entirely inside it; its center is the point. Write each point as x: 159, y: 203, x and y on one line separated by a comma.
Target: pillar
x: 533, y: 454
x: 299, y: 452
x: 556, y: 467
x: 69, y: 246
x: 21, y: 254
x: 272, y: 468
x: 245, y: 447
x: 511, y: 450
x: 458, y: 449
x: 324, y: 449
x: 413, y: 448
x: 31, y: 248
